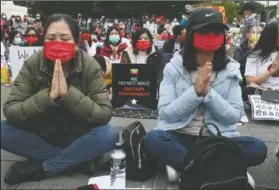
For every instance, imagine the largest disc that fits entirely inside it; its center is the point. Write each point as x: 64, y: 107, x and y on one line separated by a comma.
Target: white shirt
x: 256, y: 67
x: 126, y: 40
x: 141, y: 58
x: 91, y: 50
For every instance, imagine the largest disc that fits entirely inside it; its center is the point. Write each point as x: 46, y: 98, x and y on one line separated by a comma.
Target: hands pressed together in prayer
x: 59, y: 85
x: 203, y: 80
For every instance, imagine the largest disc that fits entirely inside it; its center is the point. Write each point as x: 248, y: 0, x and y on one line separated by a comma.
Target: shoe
x: 24, y: 171
x: 251, y: 180
x: 172, y: 174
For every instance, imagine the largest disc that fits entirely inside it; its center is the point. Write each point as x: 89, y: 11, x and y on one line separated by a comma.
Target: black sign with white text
x: 134, y: 86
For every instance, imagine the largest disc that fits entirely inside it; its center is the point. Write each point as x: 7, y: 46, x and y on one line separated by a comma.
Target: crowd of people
x: 59, y: 107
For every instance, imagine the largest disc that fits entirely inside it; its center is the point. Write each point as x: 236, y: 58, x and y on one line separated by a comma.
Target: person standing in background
x: 38, y: 23
x: 188, y: 9
x: 25, y: 23
x: 17, y: 25
x: 248, y: 12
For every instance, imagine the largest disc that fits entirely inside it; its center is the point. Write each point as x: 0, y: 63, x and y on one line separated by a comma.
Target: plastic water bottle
x: 118, y: 168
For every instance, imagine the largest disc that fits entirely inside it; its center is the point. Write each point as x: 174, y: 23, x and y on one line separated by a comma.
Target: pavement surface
x: 266, y: 175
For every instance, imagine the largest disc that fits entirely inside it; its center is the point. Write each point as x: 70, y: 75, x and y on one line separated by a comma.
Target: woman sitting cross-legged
x: 58, y: 109
x: 200, y: 85
x: 262, y: 66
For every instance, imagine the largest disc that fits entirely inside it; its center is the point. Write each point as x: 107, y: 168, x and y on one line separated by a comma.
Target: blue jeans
x: 70, y: 150
x: 170, y: 148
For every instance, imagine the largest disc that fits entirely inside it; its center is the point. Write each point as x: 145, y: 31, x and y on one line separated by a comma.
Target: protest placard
x: 159, y: 43
x: 262, y: 110
x: 151, y: 27
x: 134, y: 86
x: 18, y: 55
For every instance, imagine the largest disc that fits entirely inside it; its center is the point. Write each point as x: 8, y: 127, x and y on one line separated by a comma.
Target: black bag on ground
x: 215, y: 162
x: 139, y: 166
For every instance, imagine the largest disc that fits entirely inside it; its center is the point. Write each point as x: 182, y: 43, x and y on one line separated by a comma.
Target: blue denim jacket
x: 178, y: 102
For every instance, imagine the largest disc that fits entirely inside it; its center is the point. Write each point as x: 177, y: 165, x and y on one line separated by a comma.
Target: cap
x: 205, y: 16
x: 247, y: 6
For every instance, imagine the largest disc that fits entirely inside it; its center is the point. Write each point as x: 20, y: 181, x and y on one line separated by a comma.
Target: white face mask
x: 174, y: 20
x: 17, y: 41
x: 183, y: 16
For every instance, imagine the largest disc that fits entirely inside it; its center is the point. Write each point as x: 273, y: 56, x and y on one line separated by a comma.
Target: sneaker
x: 251, y: 180
x: 24, y: 171
x: 172, y: 174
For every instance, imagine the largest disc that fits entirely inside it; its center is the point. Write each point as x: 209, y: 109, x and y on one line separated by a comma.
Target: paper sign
x: 151, y: 27
x: 262, y: 110
x: 159, y: 43
x: 134, y: 86
x: 18, y: 55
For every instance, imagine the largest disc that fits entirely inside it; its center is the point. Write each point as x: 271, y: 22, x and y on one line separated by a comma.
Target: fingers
x: 61, y: 72
x: 56, y: 71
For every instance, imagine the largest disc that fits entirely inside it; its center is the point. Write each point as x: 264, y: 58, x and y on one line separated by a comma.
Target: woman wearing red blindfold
x: 143, y: 51
x: 86, y: 43
x: 262, y: 65
x: 32, y: 37
x: 201, y: 87
x: 58, y: 109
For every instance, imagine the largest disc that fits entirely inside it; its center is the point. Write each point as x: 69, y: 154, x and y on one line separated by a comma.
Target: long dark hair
x: 86, y: 31
x: 220, y: 59
x: 267, y: 42
x: 72, y: 23
x: 31, y: 28
x: 107, y: 42
x: 135, y: 38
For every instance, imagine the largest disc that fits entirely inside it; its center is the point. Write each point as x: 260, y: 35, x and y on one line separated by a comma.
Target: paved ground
x: 265, y: 175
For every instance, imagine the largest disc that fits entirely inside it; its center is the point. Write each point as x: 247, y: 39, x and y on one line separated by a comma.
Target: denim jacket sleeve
x: 171, y: 107
x: 227, y: 111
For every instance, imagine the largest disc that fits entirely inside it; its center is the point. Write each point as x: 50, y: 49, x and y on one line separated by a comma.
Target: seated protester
x: 163, y: 33
x: 173, y: 45
x: 200, y: 85
x: 86, y: 43
x: 143, y: 51
x: 32, y: 37
x: 106, y: 67
x: 113, y: 45
x: 61, y: 119
x: 245, y: 48
x: 15, y: 38
x: 262, y: 66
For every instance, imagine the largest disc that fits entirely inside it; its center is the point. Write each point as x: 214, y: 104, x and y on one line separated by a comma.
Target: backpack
x: 215, y: 162
x: 139, y: 166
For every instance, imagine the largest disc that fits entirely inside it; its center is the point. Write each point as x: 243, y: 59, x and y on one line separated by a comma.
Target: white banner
x: 159, y: 43
x: 18, y: 55
x: 262, y: 110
